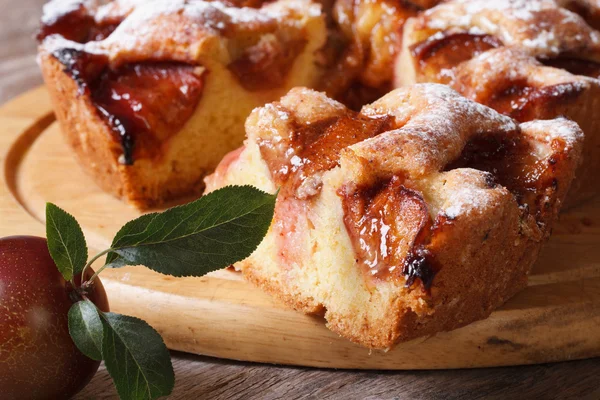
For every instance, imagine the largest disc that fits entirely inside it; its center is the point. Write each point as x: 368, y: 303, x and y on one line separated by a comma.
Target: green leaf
x: 85, y: 328
x: 132, y: 228
x: 65, y: 241
x: 136, y: 358
x: 210, y: 233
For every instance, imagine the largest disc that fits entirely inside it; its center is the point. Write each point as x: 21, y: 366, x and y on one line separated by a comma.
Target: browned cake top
x: 540, y: 27
x: 87, y: 20
x: 518, y: 85
x: 488, y: 51
x: 312, y: 147
x: 458, y: 30
x: 390, y: 148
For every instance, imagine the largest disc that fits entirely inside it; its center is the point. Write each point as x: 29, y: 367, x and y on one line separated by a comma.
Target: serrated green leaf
x: 132, y: 228
x: 210, y: 233
x: 66, y: 242
x: 136, y: 358
x: 85, y: 328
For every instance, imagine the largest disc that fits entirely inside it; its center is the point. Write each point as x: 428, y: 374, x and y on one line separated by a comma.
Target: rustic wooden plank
x: 207, y: 378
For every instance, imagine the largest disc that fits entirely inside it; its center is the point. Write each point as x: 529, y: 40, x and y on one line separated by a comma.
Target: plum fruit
x: 38, y: 359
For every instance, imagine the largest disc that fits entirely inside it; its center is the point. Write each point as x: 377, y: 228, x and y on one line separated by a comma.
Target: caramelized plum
x: 513, y: 162
x: 152, y: 100
x: 388, y: 222
x: 76, y: 25
x: 522, y: 102
x: 439, y: 54
x: 586, y: 9
x: 390, y: 227
x: 512, y: 100
x: 316, y: 147
x: 575, y: 66
x: 265, y: 65
x: 149, y: 100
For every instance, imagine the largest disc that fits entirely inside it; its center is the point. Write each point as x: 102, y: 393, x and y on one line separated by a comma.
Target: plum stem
x: 97, y: 256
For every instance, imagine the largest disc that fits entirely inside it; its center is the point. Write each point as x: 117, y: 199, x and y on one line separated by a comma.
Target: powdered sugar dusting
x: 459, y: 105
x: 56, y: 42
x: 117, y: 9
x: 434, y: 124
x: 559, y: 128
x: 499, y: 67
x: 191, y: 23
x: 55, y: 9
x: 466, y: 198
x: 539, y: 26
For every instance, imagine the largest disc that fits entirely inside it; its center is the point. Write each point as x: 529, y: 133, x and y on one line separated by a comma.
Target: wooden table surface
x: 208, y: 378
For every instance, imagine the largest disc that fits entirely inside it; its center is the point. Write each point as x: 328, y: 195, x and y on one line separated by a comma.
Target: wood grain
x: 557, y: 292
x: 556, y: 318
x: 204, y: 377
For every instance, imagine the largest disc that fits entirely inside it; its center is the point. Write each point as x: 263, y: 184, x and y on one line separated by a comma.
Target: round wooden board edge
x: 249, y: 328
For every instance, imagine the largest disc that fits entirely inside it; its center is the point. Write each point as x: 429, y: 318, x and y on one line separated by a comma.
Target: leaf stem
x: 97, y: 256
x: 89, y: 281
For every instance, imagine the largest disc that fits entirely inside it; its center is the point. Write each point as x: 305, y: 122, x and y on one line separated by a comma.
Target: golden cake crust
x: 540, y: 27
x: 98, y: 154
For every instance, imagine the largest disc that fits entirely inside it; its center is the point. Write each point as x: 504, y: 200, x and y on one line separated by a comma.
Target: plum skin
x: 38, y: 359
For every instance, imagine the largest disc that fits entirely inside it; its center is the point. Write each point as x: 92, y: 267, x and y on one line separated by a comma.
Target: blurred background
x: 18, y: 23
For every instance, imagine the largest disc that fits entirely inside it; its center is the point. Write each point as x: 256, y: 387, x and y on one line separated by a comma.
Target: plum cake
x: 150, y: 95
x: 421, y: 213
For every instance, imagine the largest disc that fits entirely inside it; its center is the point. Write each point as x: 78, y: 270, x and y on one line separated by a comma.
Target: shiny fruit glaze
x: 438, y: 55
x: 266, y: 65
x: 144, y: 104
x: 575, y: 66
x: 316, y: 147
x: 512, y: 161
x: 390, y: 227
x: 77, y: 25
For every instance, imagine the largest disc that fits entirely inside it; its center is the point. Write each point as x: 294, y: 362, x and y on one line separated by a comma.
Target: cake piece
x: 363, y: 41
x: 421, y: 213
x: 151, y: 95
x: 588, y: 9
x: 526, y: 59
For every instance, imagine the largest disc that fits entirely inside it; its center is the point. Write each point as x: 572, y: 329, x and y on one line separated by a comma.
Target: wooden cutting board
x: 556, y: 318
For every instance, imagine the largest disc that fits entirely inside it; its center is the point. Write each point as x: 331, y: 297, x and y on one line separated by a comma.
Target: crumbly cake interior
x: 373, y: 206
